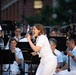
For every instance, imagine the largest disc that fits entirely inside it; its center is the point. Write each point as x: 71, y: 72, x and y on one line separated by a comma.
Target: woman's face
x: 35, y: 31
x: 13, y: 44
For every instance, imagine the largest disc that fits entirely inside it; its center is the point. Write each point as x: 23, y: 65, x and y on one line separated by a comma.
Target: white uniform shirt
x: 72, y: 62
x: 43, y: 42
x: 17, y: 38
x: 72, y: 65
x: 23, y: 40
x: 14, y: 66
x: 59, y: 56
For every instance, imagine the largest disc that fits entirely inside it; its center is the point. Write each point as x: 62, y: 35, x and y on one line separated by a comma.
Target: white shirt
x: 23, y: 40
x: 17, y: 38
x: 59, y: 56
x: 14, y: 66
x: 43, y: 42
x: 72, y: 66
x: 72, y: 62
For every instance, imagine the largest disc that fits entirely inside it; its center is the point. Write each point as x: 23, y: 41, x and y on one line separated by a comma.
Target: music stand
x: 28, y: 58
x: 27, y: 55
x: 61, y: 43
x: 24, y: 46
x: 6, y: 57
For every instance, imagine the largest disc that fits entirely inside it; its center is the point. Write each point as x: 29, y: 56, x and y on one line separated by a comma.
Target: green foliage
x: 43, y: 17
x: 18, y: 23
x: 65, y: 11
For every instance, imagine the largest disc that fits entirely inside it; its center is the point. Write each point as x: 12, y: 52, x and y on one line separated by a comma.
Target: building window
x: 38, y: 4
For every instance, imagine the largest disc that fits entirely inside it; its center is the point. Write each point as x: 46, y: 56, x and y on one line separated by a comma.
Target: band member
x: 53, y: 45
x: 71, y: 52
x: 18, y: 57
x: 17, y: 36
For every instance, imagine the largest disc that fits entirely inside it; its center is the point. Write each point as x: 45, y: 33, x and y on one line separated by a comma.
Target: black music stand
x: 61, y: 43
x: 28, y: 58
x: 6, y: 57
x: 24, y: 46
x: 27, y: 55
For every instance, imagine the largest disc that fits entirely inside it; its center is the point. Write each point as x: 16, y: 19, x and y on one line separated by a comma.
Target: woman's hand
x: 34, y: 53
x: 28, y: 37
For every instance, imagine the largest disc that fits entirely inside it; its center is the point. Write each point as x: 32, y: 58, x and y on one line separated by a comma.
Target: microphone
x: 29, y: 32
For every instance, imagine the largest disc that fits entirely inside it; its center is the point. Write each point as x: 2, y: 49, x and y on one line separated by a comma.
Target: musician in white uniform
x: 17, y: 36
x: 53, y: 44
x: 48, y: 61
x: 14, y: 68
x: 71, y: 52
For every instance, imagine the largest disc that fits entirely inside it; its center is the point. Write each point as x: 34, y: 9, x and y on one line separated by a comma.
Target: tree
x: 61, y: 14
x: 44, y: 17
x: 65, y: 11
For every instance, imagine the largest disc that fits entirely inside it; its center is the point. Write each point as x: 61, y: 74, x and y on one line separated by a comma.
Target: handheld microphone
x: 29, y: 32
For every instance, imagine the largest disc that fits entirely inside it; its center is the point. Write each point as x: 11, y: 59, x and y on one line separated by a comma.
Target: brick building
x: 13, y: 9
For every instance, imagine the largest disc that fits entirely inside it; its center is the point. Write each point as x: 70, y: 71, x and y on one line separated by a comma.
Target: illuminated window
x: 38, y: 4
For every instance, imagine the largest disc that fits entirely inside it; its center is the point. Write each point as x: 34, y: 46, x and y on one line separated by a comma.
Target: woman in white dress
x: 48, y: 61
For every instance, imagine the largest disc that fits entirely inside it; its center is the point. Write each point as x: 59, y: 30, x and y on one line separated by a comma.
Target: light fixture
x: 38, y: 4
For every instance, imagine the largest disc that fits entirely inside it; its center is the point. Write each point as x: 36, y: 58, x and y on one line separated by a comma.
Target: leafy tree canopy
x: 63, y: 14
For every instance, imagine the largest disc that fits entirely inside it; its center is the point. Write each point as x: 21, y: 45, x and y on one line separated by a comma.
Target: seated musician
x: 17, y: 36
x: 14, y: 68
x: 53, y: 44
x: 71, y: 52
